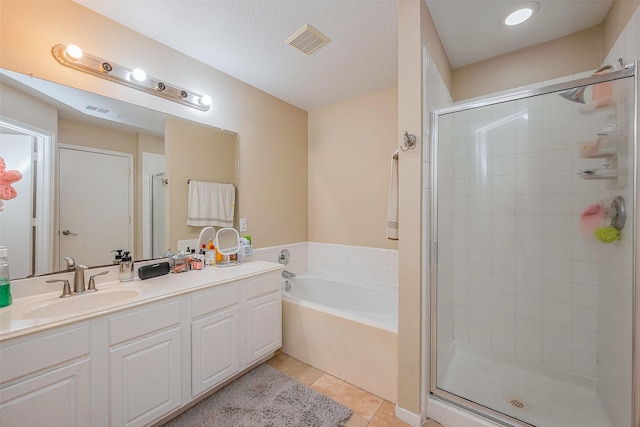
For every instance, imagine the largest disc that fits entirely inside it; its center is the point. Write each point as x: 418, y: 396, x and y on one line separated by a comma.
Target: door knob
x: 67, y: 233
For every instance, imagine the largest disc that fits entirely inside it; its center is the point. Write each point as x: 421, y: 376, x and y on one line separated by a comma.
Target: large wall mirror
x: 98, y: 175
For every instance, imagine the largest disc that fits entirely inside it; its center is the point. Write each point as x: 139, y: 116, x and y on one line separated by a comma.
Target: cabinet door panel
x: 215, y: 343
x: 145, y: 379
x: 57, y: 398
x: 264, y: 325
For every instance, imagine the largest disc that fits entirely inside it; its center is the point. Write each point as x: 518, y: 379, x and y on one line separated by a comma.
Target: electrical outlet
x: 243, y: 224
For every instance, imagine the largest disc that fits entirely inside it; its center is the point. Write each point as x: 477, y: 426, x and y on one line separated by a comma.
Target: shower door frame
x: 630, y: 70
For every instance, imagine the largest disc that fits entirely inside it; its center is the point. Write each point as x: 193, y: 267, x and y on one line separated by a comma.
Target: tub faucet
x: 287, y: 275
x: 78, y: 279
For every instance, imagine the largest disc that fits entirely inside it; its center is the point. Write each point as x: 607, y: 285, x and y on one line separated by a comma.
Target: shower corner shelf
x: 605, y: 146
x: 615, y: 178
x: 603, y: 173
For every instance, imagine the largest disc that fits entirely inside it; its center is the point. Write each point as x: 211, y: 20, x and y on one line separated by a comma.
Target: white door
x: 16, y: 229
x: 95, y: 205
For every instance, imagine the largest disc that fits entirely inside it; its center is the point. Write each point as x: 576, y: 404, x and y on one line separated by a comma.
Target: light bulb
x: 73, y: 52
x: 205, y: 101
x: 518, y: 17
x: 139, y: 74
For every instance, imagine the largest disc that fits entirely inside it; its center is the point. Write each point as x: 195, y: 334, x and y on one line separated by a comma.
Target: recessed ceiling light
x: 520, y: 14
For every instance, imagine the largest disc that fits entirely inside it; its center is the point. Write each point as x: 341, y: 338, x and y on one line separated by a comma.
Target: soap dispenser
x: 125, y: 272
x: 118, y: 256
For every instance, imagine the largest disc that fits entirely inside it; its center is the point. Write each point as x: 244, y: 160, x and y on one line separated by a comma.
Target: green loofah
x: 607, y: 234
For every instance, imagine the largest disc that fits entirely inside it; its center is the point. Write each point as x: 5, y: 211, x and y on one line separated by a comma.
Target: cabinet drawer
x: 213, y: 300
x: 30, y: 356
x: 143, y: 321
x: 263, y: 284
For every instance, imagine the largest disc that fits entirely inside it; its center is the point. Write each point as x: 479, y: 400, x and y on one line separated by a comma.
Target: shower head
x: 575, y: 95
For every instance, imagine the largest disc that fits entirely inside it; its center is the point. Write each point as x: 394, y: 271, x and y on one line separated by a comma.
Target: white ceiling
x: 245, y: 38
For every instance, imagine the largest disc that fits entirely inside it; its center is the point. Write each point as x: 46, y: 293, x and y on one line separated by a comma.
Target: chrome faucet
x: 287, y: 275
x: 78, y: 279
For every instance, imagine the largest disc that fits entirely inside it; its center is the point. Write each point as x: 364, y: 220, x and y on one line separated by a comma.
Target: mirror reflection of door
x: 16, y: 228
x: 95, y: 205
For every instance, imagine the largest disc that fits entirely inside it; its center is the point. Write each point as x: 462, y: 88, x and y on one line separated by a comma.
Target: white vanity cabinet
x: 136, y: 366
x: 216, y: 337
x: 45, y: 379
x: 264, y: 316
x: 145, y: 364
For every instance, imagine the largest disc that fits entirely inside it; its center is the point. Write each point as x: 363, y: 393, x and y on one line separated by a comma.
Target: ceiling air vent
x: 307, y: 39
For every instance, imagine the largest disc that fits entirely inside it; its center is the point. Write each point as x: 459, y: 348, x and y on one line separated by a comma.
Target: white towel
x: 211, y: 203
x: 392, y: 213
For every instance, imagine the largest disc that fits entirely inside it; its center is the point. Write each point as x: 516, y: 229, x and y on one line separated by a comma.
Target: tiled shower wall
x: 592, y: 320
x: 525, y: 276
x: 615, y: 303
x: 435, y: 95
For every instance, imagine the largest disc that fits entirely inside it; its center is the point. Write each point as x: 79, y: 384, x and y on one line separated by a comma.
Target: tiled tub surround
x: 360, y: 263
x: 350, y: 348
x: 371, y: 265
x: 519, y: 278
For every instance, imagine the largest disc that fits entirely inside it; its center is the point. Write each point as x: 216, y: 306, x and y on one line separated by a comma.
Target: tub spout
x: 287, y: 275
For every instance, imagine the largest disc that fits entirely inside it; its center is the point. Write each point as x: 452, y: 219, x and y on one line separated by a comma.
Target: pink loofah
x: 591, y: 218
x: 7, y: 192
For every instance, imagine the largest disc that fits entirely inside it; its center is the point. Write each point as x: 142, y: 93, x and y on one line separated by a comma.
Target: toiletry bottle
x: 125, y: 272
x: 5, y: 287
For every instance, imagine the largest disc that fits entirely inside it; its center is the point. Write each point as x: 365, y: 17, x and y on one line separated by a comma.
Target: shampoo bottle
x: 5, y: 288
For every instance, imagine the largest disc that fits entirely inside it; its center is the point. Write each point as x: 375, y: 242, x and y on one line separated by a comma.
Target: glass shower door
x: 534, y: 274
x: 158, y: 218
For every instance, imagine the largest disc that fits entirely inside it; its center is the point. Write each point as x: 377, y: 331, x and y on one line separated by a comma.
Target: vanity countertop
x: 15, y: 320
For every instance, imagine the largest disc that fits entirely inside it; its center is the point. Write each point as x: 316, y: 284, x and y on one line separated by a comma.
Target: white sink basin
x: 79, y: 303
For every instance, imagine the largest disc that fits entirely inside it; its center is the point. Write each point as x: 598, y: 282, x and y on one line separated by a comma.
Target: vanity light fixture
x: 520, y: 14
x: 73, y: 57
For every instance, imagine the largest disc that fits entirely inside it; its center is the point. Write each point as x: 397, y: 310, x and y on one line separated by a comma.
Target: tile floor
x: 368, y: 410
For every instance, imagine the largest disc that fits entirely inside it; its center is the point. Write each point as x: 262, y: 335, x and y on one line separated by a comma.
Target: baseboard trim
x: 408, y: 416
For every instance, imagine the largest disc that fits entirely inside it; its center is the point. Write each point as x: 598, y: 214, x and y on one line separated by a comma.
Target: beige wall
x: 431, y: 40
x: 94, y: 136
x: 272, y: 134
x: 617, y: 18
x: 201, y: 153
x: 572, y: 54
x: 20, y: 107
x: 410, y: 30
x: 350, y: 148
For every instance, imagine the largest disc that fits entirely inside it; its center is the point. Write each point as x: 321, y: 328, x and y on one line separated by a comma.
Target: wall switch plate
x: 243, y: 223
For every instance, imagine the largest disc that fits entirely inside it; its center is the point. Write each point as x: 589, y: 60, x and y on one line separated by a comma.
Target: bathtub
x: 347, y: 329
